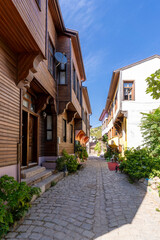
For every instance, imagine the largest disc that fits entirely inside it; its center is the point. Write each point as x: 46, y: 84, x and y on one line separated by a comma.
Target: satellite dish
x: 60, y: 57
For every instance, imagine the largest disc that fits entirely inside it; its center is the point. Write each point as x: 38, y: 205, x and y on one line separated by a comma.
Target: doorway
x: 29, y: 138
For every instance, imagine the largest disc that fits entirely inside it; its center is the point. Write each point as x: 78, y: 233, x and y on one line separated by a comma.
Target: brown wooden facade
x: 33, y: 103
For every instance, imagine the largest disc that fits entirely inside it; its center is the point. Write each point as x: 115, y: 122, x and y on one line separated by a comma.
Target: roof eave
x: 84, y: 89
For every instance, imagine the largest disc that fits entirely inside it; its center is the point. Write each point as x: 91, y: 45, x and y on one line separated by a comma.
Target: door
x: 32, y: 138
x: 29, y: 138
x: 24, y: 137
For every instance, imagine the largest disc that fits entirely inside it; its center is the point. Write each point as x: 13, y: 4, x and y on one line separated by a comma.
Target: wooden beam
x: 27, y: 66
x: 42, y: 102
x: 70, y: 116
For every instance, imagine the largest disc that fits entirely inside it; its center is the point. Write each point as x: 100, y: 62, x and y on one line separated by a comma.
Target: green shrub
x: 154, y: 173
x: 67, y: 160
x: 139, y: 163
x: 81, y: 151
x: 60, y: 164
x: 5, y: 218
x: 109, y: 153
x: 72, y: 164
x: 14, y: 201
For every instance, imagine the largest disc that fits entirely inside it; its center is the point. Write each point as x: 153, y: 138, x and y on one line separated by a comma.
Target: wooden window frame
x: 64, y: 130
x: 74, y: 79
x: 49, y: 130
x: 29, y: 100
x: 81, y: 96
x: 133, y: 90
x: 50, y: 43
x: 62, y: 70
x: 78, y: 89
x: 71, y: 139
x: 38, y: 2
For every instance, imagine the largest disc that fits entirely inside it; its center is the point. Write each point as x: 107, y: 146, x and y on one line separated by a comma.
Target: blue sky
x: 113, y: 34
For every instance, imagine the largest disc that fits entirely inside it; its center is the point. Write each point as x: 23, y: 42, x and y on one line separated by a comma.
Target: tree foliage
x: 153, y: 83
x: 105, y: 138
x: 150, y: 126
x: 98, y: 147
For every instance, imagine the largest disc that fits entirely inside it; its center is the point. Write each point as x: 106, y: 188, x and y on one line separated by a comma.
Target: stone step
x: 49, y: 165
x: 37, y: 178
x: 51, y: 159
x: 27, y: 173
x: 46, y: 183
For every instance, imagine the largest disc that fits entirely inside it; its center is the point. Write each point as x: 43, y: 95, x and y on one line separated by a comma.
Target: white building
x: 126, y: 100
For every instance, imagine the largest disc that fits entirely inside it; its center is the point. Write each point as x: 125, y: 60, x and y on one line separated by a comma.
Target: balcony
x: 114, y: 142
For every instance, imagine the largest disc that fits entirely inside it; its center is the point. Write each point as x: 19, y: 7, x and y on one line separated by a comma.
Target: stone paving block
x: 47, y: 238
x: 86, y: 226
x: 36, y: 236
x: 12, y: 235
x: 37, y: 223
x: 88, y: 234
x: 49, y: 225
x: 59, y: 235
x: 39, y: 229
x: 23, y: 228
x: 49, y: 232
x: 23, y: 235
x: 27, y: 222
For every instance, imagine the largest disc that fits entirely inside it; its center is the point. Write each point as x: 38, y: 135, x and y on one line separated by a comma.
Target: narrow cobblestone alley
x: 94, y: 204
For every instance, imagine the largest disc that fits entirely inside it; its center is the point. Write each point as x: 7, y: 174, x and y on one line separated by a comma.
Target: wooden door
x: 24, y: 138
x: 32, y: 139
x: 29, y: 138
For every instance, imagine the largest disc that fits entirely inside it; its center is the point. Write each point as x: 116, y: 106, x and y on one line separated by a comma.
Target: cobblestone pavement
x: 92, y: 204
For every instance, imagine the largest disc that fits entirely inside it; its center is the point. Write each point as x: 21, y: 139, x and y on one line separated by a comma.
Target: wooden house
x: 32, y: 96
x: 72, y: 96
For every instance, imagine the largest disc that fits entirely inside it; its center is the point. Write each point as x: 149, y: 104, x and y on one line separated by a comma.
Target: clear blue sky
x: 113, y: 34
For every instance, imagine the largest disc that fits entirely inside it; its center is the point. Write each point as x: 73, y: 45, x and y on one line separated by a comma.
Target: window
x: 49, y: 128
x: 51, y: 57
x: 78, y: 89
x: 71, y: 133
x: 64, y: 130
x: 38, y: 4
x: 128, y: 89
x: 74, y: 79
x: 29, y: 102
x: 83, y: 114
x: 81, y: 96
x: 115, y: 102
x: 62, y: 73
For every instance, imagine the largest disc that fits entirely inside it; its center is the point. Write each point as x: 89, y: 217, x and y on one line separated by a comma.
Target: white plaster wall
x: 143, y: 102
x: 134, y: 136
x: 105, y: 131
x: 139, y: 73
x: 9, y: 170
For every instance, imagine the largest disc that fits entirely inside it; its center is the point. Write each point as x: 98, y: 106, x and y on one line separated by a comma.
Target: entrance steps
x: 30, y: 172
x: 40, y: 177
x: 50, y: 163
x: 47, y: 183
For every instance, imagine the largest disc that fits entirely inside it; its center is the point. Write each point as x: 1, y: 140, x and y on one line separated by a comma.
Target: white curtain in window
x: 62, y: 77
